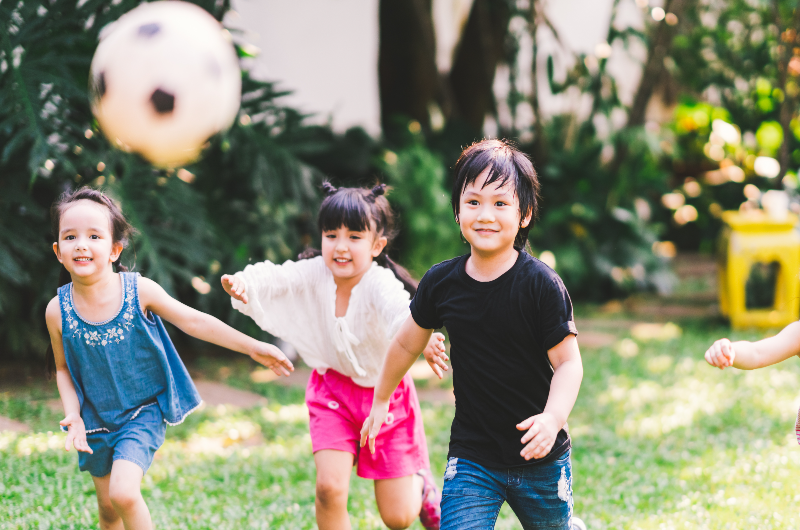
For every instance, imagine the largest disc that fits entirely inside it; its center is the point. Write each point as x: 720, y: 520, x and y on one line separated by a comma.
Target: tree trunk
x: 651, y: 73
x: 788, y: 30
x: 656, y: 52
x: 479, y: 50
x: 408, y: 79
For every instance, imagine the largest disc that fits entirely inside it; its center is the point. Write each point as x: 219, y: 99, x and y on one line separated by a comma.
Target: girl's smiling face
x: 348, y: 253
x: 85, y: 244
x: 490, y: 216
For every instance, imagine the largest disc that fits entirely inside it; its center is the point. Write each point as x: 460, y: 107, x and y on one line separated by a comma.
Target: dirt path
x: 214, y: 394
x: 7, y: 424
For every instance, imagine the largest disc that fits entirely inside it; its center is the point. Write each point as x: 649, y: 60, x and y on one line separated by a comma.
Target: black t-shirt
x: 499, y: 333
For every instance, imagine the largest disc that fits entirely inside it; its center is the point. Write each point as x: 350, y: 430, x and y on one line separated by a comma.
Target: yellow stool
x: 749, y: 238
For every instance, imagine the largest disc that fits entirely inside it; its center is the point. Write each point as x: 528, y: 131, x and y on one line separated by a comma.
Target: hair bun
x: 379, y: 190
x: 328, y: 188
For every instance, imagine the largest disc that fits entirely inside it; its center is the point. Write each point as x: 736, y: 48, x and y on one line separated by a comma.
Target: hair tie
x: 378, y: 190
x: 328, y: 188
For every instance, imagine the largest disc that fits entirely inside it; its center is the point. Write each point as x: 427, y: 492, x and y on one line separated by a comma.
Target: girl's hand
x: 235, y: 287
x: 434, y: 353
x: 372, y: 425
x: 542, y: 431
x: 273, y: 358
x: 721, y: 354
x: 76, y: 433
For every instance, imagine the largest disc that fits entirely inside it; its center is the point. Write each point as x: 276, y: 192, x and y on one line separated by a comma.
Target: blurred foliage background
x: 622, y: 193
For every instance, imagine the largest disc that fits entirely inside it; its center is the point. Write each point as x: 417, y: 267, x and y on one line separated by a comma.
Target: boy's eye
x: 355, y: 237
x: 69, y: 238
x: 473, y: 202
x: 94, y: 236
x: 330, y: 236
x: 499, y: 203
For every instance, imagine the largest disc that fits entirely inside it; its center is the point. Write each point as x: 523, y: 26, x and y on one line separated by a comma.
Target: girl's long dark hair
x: 121, y: 232
x: 357, y: 209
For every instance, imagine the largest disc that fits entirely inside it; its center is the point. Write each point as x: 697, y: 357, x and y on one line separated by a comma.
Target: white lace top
x: 296, y: 301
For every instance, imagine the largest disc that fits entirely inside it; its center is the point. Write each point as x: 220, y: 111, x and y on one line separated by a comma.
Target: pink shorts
x: 338, y: 407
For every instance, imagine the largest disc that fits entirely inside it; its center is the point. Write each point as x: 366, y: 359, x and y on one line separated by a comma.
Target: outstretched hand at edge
x: 721, y: 354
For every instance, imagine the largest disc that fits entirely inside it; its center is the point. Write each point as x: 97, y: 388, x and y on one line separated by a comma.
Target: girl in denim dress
x: 120, y: 379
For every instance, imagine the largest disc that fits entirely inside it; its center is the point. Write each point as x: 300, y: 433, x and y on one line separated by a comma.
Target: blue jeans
x: 540, y: 495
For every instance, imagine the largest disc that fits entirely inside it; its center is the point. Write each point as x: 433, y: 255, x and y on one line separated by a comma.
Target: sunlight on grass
x: 661, y: 442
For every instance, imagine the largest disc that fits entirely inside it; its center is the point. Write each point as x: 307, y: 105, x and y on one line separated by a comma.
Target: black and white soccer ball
x: 164, y: 78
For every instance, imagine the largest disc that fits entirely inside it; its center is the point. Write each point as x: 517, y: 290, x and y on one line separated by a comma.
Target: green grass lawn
x: 661, y: 441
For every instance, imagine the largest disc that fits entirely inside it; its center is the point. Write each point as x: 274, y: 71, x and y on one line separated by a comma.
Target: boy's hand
x: 721, y: 354
x: 235, y: 287
x: 273, y: 358
x: 372, y: 425
x: 435, y: 355
x: 542, y: 431
x: 76, y: 433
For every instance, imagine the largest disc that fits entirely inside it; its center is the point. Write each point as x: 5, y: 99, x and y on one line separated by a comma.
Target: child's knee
x: 331, y: 492
x: 108, y: 514
x: 124, y: 497
x: 398, y: 520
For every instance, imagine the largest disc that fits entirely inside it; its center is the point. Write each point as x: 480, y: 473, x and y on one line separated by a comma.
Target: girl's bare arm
x: 76, y: 432
x: 751, y: 355
x: 210, y: 329
x: 69, y: 398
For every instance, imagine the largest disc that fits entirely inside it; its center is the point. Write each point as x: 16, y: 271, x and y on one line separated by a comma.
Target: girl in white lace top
x: 340, y: 311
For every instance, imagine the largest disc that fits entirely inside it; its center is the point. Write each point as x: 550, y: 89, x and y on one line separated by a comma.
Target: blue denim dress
x: 123, y: 365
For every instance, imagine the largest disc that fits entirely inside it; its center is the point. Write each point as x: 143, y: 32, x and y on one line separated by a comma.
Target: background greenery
x: 254, y: 193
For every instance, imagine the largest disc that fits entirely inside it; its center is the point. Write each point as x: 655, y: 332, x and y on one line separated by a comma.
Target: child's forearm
x: 211, y: 329
x: 769, y: 351
x: 69, y: 398
x: 398, y: 361
x: 747, y: 355
x: 564, y: 389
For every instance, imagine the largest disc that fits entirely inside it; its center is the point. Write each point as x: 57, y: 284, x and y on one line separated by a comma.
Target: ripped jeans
x: 539, y: 495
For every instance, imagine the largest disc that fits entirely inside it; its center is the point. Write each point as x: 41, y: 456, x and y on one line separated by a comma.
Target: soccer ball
x: 164, y: 78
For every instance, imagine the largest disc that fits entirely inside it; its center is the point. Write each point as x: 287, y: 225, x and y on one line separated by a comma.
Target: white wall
x: 326, y: 51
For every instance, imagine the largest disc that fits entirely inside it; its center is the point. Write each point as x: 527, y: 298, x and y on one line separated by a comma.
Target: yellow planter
x: 749, y: 238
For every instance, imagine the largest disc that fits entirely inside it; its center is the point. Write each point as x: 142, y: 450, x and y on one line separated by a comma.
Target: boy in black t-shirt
x: 517, y: 367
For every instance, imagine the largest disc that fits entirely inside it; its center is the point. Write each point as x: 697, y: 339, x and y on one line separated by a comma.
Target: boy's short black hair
x: 506, y: 163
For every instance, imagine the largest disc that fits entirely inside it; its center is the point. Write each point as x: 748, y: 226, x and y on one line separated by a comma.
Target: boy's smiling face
x: 490, y: 216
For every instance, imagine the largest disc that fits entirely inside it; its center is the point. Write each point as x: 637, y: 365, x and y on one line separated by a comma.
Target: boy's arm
x: 404, y: 349
x: 76, y: 432
x: 210, y: 329
x: 751, y: 355
x: 567, y: 375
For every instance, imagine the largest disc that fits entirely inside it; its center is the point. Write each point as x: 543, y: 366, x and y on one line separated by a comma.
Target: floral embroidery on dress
x: 102, y: 337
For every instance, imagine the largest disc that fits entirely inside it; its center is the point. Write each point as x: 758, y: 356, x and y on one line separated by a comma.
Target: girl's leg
x: 126, y: 496
x: 399, y: 500
x: 109, y: 518
x: 333, y: 485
